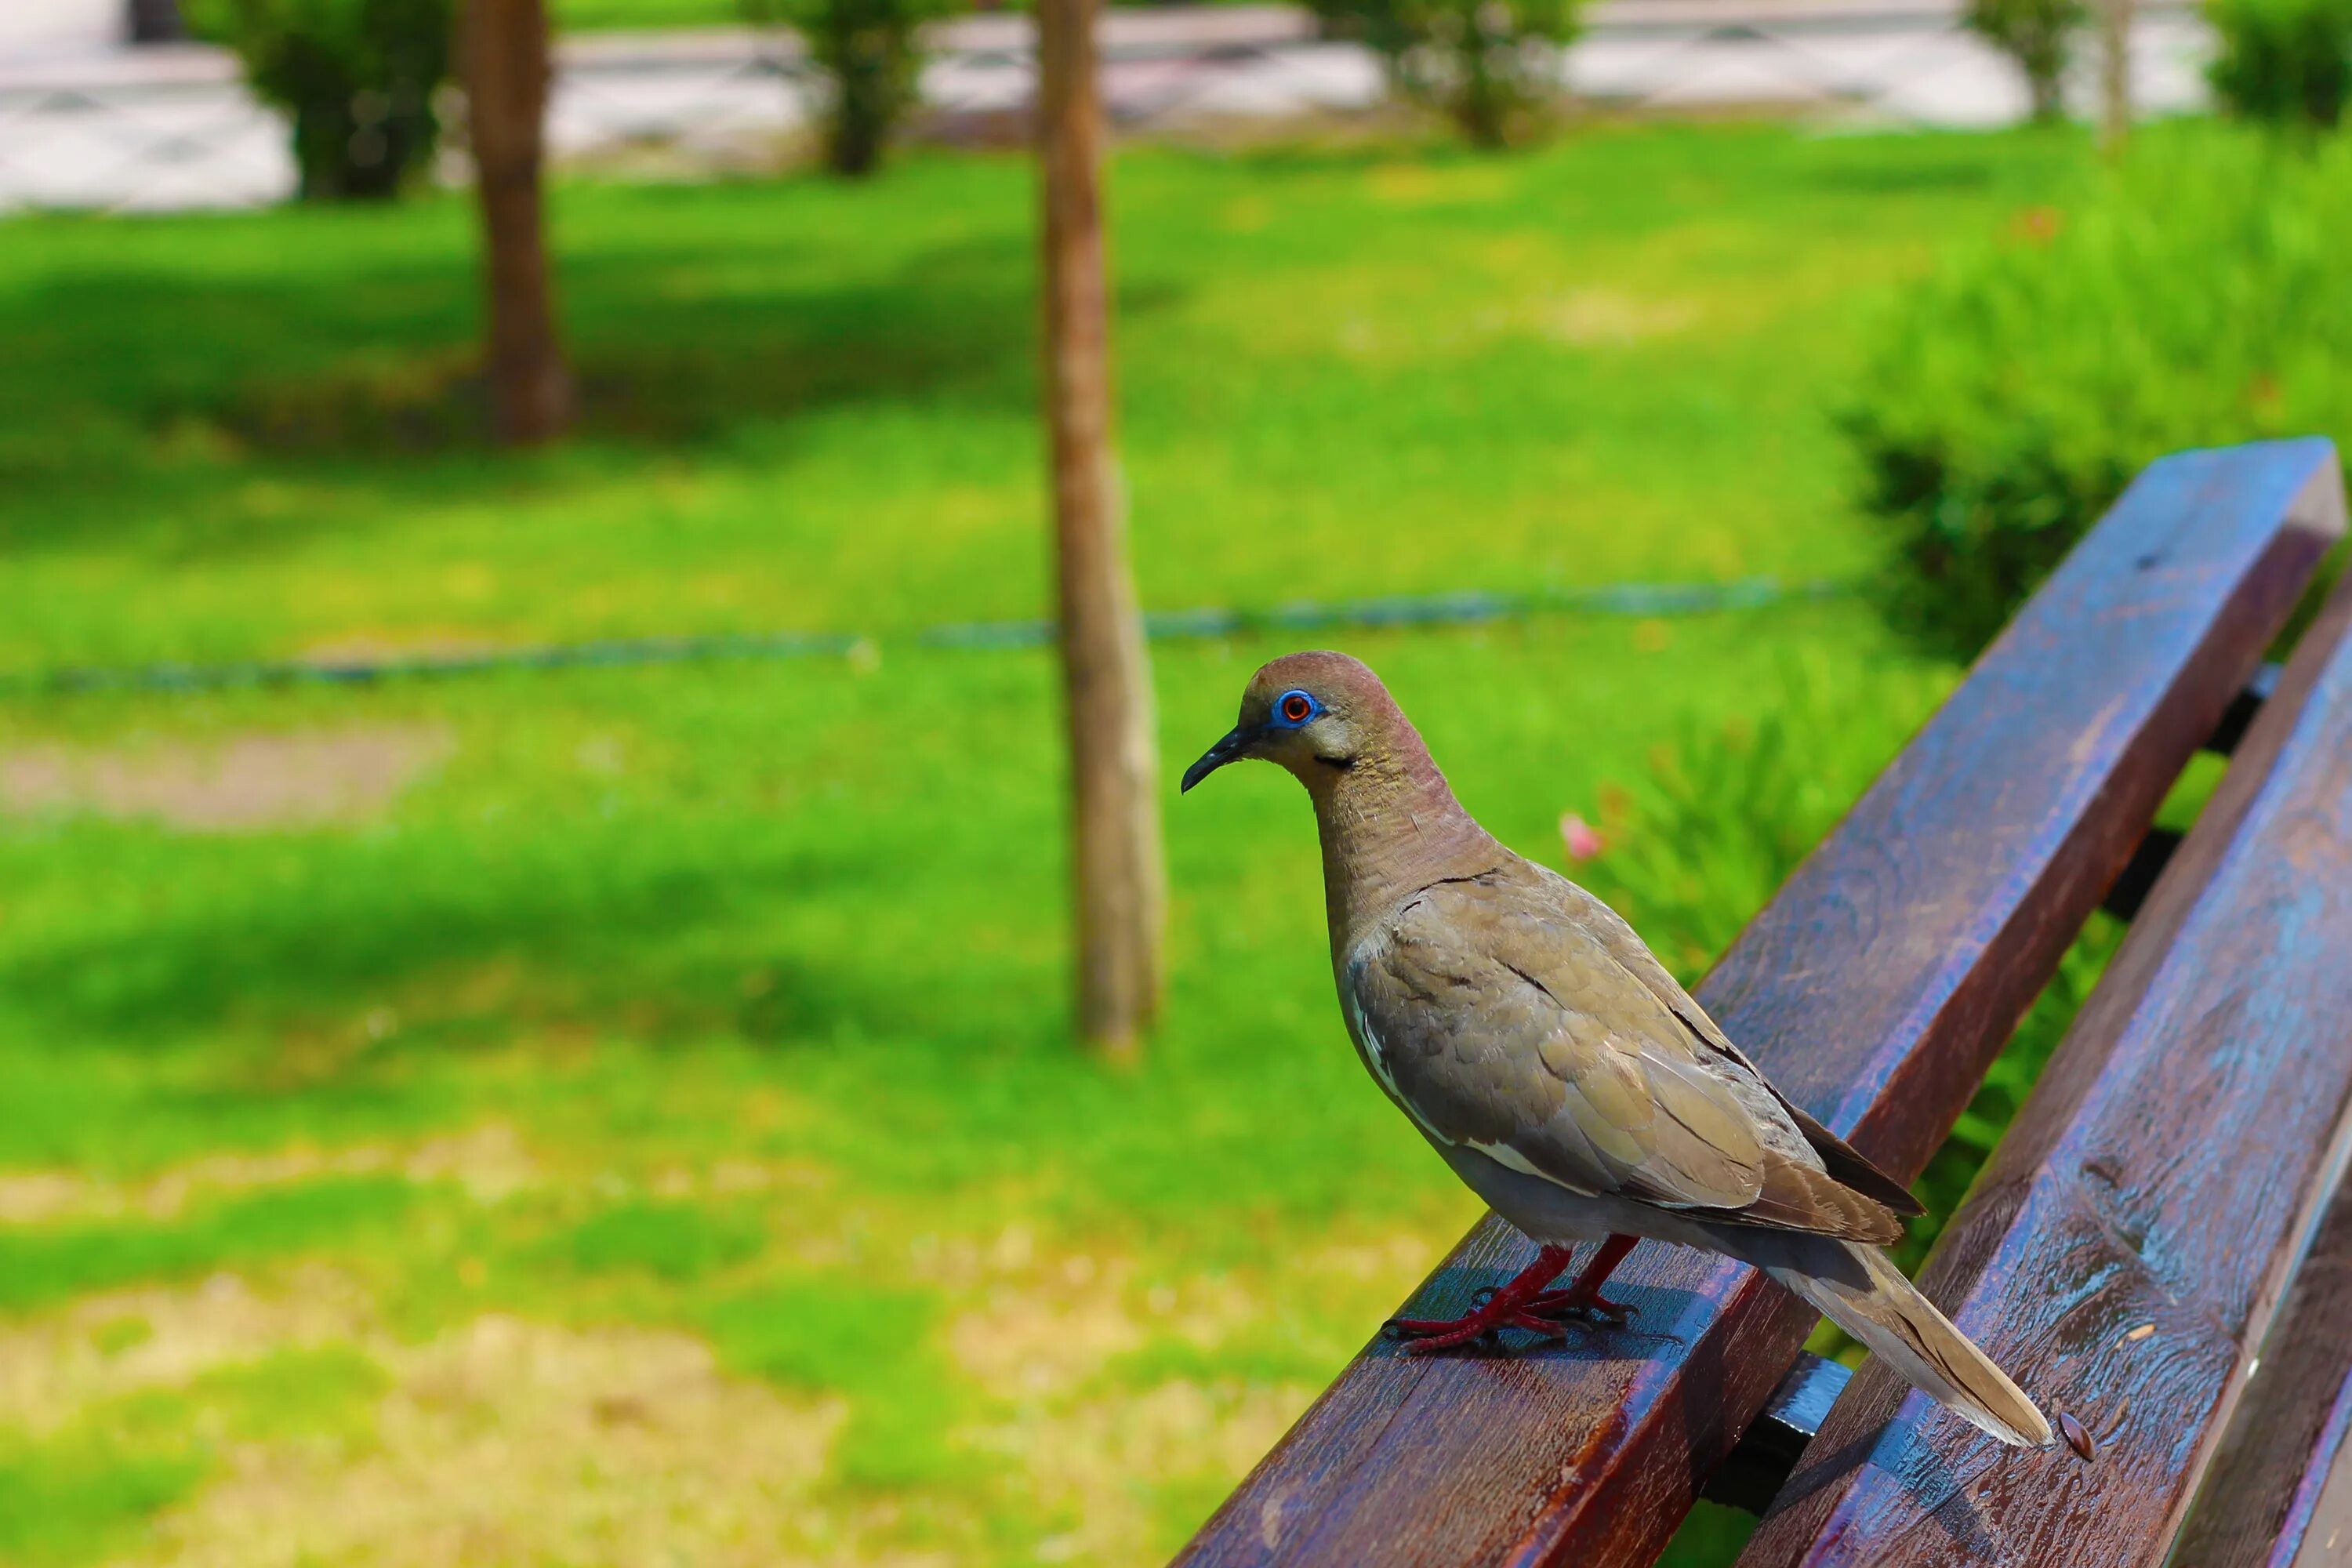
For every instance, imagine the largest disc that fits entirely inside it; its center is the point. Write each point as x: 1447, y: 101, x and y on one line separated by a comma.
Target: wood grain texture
x: 2133, y: 1235
x: 1875, y: 989
x: 2261, y: 1497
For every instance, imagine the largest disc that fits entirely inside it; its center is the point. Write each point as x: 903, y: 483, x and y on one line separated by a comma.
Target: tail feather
x: 1859, y: 1289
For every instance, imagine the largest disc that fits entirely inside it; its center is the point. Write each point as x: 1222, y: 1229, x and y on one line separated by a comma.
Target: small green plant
x: 2282, y: 62
x: 2193, y: 300
x: 357, y: 77
x: 1726, y: 813
x: 2039, y: 36
x: 868, y: 54
x: 1491, y: 66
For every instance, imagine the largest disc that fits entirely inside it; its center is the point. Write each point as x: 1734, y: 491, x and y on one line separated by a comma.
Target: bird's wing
x: 1847, y: 1163
x: 1504, y: 1027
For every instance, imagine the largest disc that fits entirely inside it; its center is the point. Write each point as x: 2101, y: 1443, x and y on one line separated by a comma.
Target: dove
x: 1567, y: 1078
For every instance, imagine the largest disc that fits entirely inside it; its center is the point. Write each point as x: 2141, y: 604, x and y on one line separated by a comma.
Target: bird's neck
x: 1391, y: 826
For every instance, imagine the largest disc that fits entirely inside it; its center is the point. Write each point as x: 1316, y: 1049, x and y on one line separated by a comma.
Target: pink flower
x: 1581, y: 839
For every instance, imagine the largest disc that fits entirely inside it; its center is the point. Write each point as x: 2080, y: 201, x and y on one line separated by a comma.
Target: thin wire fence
x: 1468, y: 608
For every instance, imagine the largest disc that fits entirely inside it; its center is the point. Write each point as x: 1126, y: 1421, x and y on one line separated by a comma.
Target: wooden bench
x: 2151, y: 1249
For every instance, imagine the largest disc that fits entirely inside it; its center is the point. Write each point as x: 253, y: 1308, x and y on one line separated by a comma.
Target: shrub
x: 356, y: 76
x: 1724, y: 814
x: 1490, y: 65
x: 2194, y: 299
x: 869, y: 55
x: 2284, y: 63
x: 2039, y: 34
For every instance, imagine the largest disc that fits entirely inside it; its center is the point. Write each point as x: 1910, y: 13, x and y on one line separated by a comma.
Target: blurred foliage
x: 869, y: 55
x: 1724, y: 814
x: 2282, y: 62
x: 2039, y: 36
x: 357, y: 77
x: 2195, y: 299
x: 1490, y: 66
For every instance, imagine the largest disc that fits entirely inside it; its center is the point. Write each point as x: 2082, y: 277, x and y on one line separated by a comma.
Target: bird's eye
x: 1297, y: 706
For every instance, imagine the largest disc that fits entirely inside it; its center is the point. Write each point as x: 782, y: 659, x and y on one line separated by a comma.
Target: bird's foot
x: 1492, y: 1309
x: 1423, y: 1335
x: 1581, y: 1305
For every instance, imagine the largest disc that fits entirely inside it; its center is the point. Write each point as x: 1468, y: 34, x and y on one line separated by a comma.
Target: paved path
x: 86, y: 122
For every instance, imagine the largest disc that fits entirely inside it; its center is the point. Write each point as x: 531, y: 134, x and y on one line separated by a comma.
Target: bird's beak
x: 1231, y: 749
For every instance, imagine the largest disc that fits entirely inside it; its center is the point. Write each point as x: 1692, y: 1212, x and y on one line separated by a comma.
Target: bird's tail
x: 1859, y: 1289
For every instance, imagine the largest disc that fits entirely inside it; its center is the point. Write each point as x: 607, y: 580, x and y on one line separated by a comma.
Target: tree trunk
x: 2114, y: 75
x: 505, y: 65
x: 154, y: 22
x: 1120, y: 883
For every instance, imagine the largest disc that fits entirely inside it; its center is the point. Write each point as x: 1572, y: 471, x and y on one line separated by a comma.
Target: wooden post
x: 1119, y: 884
x: 505, y: 55
x: 154, y: 22
x: 2114, y: 75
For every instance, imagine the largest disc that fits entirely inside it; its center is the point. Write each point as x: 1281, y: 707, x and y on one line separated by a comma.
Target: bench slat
x: 2132, y: 1237
x: 2289, y: 1444
x: 1875, y: 988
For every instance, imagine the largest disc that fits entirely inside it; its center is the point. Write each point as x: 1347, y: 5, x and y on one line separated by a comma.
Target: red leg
x: 1583, y: 1299
x: 1507, y: 1309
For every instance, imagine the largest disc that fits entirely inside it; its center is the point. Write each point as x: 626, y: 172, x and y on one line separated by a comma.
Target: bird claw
x: 1423, y: 1335
x: 1590, y: 1307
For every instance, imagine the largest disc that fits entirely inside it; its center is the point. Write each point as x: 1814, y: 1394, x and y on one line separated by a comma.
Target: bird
x: 1568, y: 1079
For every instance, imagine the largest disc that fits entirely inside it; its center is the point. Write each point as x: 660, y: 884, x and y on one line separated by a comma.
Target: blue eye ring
x: 1295, y: 708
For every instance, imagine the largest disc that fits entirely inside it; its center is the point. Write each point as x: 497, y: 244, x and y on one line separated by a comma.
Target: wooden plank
x: 1752, y: 1474
x: 1875, y: 989
x: 2286, y: 1450
x: 2326, y: 1539
x: 2131, y: 1239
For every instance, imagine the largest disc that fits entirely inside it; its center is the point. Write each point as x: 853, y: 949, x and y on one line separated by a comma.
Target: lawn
x: 619, y: 1115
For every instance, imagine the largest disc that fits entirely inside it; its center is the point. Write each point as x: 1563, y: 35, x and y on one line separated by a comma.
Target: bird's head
x: 1321, y: 715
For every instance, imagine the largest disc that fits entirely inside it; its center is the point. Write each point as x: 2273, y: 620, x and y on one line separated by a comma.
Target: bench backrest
x: 1875, y: 989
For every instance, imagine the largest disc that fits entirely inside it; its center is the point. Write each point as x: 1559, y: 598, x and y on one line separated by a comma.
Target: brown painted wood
x: 2261, y: 1498
x: 504, y: 55
x: 1120, y: 883
x: 2131, y: 1239
x: 1875, y: 989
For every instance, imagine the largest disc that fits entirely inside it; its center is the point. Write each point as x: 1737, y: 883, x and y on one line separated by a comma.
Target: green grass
x: 601, y: 15
x: 41, y: 1267
x: 727, y: 1002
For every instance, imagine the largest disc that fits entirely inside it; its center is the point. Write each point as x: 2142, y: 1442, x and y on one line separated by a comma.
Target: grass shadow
x: 157, y: 383
x: 364, y: 954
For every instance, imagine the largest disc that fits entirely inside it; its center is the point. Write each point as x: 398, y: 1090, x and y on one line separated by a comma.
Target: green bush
x: 2284, y: 63
x: 357, y: 77
x: 2193, y: 298
x: 1490, y: 65
x: 2039, y: 34
x: 1725, y: 814
x: 869, y: 55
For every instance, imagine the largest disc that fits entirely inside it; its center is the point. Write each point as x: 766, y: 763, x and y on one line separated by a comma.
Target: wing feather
x: 1505, y: 1022
x: 1848, y: 1165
